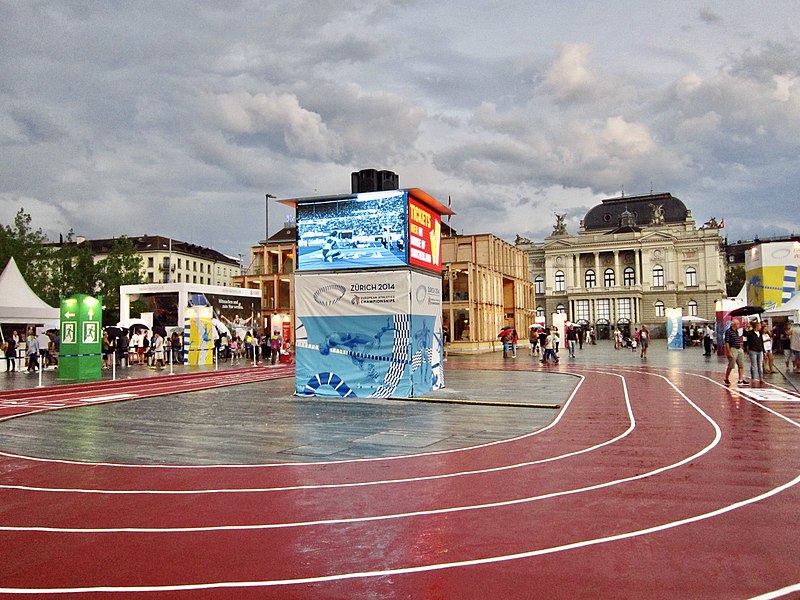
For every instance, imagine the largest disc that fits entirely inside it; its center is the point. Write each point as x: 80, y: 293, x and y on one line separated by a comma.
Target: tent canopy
x: 787, y: 309
x: 19, y: 303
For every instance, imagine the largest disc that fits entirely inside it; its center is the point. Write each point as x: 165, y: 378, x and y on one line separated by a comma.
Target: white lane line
x: 555, y: 421
x: 631, y: 427
x: 789, y: 589
x: 109, y: 398
x: 417, y: 569
x: 744, y: 393
x: 438, y: 511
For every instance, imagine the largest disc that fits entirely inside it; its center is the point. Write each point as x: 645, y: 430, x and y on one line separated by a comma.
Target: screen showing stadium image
x: 363, y: 231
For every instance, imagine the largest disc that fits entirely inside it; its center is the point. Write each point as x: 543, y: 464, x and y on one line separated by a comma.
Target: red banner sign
x: 424, y: 236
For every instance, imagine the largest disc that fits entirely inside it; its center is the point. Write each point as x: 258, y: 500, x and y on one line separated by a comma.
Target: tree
x: 24, y: 244
x: 734, y: 279
x: 64, y: 270
x: 122, y: 266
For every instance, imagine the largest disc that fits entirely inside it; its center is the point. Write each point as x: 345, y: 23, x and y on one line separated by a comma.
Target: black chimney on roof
x: 372, y: 180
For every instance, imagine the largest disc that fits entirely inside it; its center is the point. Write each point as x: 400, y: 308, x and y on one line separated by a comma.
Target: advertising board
x: 771, y: 273
x: 361, y: 231
x: 368, y: 334
x: 424, y: 236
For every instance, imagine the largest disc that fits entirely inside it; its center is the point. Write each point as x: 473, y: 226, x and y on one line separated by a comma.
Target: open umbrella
x: 113, y: 332
x: 128, y: 323
x: 743, y: 311
x: 220, y: 327
x: 504, y: 330
x: 160, y: 330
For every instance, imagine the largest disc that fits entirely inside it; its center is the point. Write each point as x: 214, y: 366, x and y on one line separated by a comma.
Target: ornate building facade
x: 633, y: 258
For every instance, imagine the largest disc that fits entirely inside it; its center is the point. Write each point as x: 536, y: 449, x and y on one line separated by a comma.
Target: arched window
x: 560, y: 309
x: 590, y: 278
x: 539, y: 281
x: 629, y: 277
x: 691, y: 308
x: 561, y: 282
x: 659, y: 308
x: 691, y: 277
x: 658, y: 276
x: 608, y: 278
x: 540, y: 311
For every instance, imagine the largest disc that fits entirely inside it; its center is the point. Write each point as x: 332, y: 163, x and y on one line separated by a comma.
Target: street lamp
x: 266, y: 199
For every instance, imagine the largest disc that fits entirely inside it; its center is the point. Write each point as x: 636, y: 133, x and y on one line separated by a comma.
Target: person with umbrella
x: 734, y: 352
x: 505, y: 336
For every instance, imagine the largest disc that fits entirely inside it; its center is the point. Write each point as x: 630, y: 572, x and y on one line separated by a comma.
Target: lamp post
x: 266, y: 211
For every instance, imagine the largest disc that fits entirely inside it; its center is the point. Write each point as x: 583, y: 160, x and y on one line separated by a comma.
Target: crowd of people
x: 150, y: 348
x: 35, y: 350
x: 759, y: 343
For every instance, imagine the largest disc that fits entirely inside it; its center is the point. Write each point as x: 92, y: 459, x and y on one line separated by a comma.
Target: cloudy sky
x: 175, y: 118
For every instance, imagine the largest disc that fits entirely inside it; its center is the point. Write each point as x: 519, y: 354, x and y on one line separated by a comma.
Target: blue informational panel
x: 368, y: 334
x: 674, y: 328
x: 363, y: 231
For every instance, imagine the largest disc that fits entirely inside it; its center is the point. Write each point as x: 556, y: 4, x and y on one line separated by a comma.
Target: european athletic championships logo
x: 329, y: 294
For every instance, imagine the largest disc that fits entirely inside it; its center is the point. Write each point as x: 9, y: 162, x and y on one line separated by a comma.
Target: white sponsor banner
x: 352, y: 293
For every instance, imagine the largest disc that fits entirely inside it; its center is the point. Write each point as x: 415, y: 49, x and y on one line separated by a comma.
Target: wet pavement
x: 486, y: 398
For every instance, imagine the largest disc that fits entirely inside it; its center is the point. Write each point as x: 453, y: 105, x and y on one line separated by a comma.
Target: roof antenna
x: 651, y: 188
x: 623, y: 192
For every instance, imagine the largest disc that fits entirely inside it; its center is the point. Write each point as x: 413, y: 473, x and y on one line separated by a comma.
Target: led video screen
x: 363, y: 231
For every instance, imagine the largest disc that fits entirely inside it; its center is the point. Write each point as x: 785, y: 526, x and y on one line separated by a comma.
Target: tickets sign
x: 424, y: 237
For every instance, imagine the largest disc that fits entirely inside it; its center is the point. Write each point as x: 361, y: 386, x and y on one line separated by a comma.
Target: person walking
x: 548, y: 350
x: 157, y: 346
x: 533, y: 340
x: 769, y: 358
x: 755, y: 350
x: 734, y: 352
x: 32, y: 352
x: 105, y: 346
x: 11, y: 353
x: 275, y: 342
x: 572, y: 338
x: 644, y: 340
x: 794, y: 345
x: 707, y: 339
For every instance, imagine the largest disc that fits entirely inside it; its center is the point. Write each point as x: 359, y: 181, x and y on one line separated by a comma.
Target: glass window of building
x: 659, y: 308
x: 539, y: 284
x: 629, y: 276
x: 608, y: 278
x: 691, y: 277
x: 581, y: 310
x: 692, y: 308
x: 560, y: 309
x: 658, y: 276
x: 590, y: 278
x: 561, y: 282
x: 284, y: 297
x: 604, y: 309
x: 624, y: 309
x: 150, y: 262
x: 540, y: 311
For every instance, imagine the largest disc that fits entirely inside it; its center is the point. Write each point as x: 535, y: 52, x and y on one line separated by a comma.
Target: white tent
x: 787, y: 309
x: 19, y: 303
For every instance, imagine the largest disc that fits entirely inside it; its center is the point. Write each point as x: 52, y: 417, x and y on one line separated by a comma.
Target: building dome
x: 636, y: 211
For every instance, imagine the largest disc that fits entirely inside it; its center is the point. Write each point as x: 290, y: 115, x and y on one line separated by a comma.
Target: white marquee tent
x: 787, y: 309
x: 18, y: 302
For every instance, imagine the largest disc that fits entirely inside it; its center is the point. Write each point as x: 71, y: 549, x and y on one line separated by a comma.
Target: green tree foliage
x: 22, y: 242
x: 734, y: 279
x: 57, y: 270
x: 122, y: 266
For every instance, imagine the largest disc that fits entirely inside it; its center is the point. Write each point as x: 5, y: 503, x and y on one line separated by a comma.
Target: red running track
x: 649, y: 484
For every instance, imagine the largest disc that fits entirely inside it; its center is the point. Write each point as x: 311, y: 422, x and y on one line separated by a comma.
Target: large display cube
x: 368, y: 334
